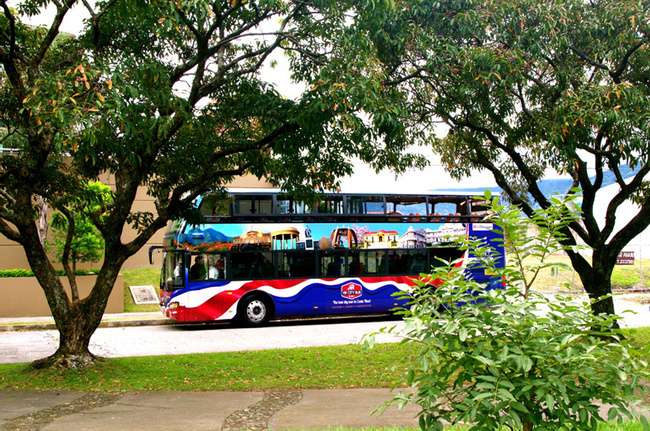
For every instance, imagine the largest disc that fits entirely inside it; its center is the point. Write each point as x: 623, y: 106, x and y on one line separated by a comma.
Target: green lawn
x: 139, y: 277
x: 623, y: 277
x: 320, y: 367
x: 347, y: 366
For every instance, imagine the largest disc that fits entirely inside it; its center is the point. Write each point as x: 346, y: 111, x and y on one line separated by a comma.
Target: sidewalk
x: 108, y: 321
x: 290, y: 409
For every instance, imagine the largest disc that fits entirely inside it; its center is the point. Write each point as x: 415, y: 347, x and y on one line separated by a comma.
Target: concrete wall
x: 23, y: 296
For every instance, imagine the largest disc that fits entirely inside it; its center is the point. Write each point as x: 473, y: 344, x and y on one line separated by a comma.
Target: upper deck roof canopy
x: 276, y: 206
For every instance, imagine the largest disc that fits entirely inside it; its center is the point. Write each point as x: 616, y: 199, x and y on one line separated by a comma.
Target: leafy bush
x: 16, y: 273
x: 6, y: 273
x: 510, y: 358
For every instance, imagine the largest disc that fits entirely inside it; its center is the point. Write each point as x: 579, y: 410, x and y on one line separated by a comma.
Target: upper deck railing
x: 351, y: 208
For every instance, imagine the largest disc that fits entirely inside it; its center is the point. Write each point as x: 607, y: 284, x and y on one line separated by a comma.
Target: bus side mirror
x: 151, y: 249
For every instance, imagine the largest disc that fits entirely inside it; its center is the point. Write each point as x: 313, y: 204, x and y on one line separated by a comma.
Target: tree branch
x: 65, y: 257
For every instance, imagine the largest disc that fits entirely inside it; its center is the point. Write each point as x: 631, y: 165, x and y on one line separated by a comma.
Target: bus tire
x: 254, y: 310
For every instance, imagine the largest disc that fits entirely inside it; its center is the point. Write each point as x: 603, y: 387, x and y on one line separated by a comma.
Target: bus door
x: 172, y: 277
x: 332, y: 273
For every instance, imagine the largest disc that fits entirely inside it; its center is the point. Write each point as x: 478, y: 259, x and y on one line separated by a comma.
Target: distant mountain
x: 558, y: 185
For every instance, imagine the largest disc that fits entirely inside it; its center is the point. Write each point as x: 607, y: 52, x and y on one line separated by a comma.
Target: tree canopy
x: 169, y: 95
x: 528, y: 87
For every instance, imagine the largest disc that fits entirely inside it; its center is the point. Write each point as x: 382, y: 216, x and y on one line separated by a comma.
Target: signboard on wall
x: 144, y: 294
x: 625, y: 258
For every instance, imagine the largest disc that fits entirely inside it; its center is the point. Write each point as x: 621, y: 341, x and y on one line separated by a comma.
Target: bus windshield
x: 173, y: 271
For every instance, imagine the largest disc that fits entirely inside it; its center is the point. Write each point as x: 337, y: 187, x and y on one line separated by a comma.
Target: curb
x: 104, y: 324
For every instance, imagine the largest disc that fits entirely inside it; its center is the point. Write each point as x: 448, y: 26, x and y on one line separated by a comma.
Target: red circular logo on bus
x: 351, y: 291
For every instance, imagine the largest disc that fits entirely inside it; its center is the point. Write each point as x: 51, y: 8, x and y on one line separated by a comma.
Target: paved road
x: 172, y: 340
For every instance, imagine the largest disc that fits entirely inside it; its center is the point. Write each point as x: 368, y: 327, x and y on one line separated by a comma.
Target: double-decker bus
x: 260, y: 255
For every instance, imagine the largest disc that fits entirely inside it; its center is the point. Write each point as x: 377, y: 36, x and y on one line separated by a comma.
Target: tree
x: 86, y: 244
x: 169, y: 95
x: 528, y: 87
x: 511, y: 358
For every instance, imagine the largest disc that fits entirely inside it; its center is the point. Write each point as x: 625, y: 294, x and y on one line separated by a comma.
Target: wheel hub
x: 256, y: 311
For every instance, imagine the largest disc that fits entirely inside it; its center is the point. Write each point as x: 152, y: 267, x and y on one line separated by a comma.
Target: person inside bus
x: 356, y: 267
x: 216, y: 271
x: 213, y: 271
x: 197, y: 270
x: 332, y: 269
x: 178, y: 273
x: 221, y: 268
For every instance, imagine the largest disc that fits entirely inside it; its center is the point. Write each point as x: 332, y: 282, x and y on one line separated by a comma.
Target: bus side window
x: 198, y: 270
x: 329, y: 267
x: 297, y: 264
x: 375, y: 262
x: 417, y: 263
x: 252, y: 265
x: 397, y: 262
x: 238, y: 265
x: 217, y: 267
x: 355, y: 266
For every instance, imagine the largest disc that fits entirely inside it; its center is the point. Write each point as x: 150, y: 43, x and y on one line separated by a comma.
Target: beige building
x: 13, y: 256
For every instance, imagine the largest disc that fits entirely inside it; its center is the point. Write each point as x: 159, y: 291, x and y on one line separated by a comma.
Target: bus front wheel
x: 254, y: 311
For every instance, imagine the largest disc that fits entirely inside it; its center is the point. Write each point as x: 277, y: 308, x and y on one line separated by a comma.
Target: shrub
x: 510, y: 358
x: 16, y: 273
x: 5, y: 273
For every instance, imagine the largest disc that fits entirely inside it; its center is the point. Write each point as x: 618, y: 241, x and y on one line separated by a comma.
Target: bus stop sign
x: 625, y: 258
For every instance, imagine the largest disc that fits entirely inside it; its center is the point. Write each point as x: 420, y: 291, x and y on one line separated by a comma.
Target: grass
x: 639, y: 338
x: 623, y: 277
x: 139, y: 277
x: 348, y: 366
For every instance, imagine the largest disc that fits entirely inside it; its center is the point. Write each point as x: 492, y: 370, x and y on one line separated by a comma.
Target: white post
x: 641, y: 258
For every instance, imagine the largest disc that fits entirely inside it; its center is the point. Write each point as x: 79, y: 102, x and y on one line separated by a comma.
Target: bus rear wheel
x: 254, y: 311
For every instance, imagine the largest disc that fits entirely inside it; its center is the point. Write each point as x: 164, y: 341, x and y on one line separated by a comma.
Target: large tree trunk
x: 76, y: 319
x: 74, y: 338
x: 596, y: 279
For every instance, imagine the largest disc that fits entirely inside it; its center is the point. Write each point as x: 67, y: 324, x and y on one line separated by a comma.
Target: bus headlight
x: 172, y: 306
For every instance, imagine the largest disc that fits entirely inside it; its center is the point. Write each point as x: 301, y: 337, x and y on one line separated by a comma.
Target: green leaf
x: 612, y: 414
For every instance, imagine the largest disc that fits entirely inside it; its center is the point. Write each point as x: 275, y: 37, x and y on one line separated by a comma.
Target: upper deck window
x: 280, y: 207
x: 449, y: 205
x: 368, y: 205
x: 286, y: 205
x: 479, y: 207
x: 331, y: 205
x: 253, y: 204
x: 407, y: 205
